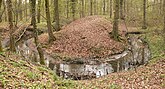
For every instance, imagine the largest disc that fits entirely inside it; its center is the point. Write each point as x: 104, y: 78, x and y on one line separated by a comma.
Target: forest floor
x: 18, y: 73
x: 151, y: 76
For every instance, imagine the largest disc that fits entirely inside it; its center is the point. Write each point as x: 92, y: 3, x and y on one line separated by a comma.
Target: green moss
x: 32, y: 75
x: 155, y: 42
x: 66, y: 83
x: 163, y: 84
x: 42, y: 69
x: 114, y: 86
x: 15, y: 64
x: 162, y: 76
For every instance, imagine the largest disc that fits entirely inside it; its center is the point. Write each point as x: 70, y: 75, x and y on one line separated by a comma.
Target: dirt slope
x: 17, y: 72
x: 86, y: 37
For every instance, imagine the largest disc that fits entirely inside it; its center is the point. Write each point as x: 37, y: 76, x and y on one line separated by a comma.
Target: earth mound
x: 86, y: 37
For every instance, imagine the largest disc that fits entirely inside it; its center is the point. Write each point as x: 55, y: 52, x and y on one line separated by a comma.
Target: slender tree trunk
x: 82, y: 12
x: 0, y: 32
x: 91, y: 7
x: 154, y: 5
x: 43, y: 8
x: 160, y: 11
x: 1, y: 12
x: 128, y: 7
x: 50, y: 32
x: 20, y: 10
x: 124, y: 7
x: 16, y: 13
x: 115, y: 33
x: 11, y: 26
x: 104, y: 7
x: 39, y: 49
x: 121, y: 9
x: 26, y: 10
x: 144, y: 15
x: 5, y: 11
x: 85, y: 8
x: 95, y: 7
x: 39, y: 11
x: 164, y: 19
x: 56, y: 17
x: 67, y: 9
x: 0, y: 4
x: 110, y: 9
x: 1, y: 49
x: 73, y: 6
x: 107, y: 6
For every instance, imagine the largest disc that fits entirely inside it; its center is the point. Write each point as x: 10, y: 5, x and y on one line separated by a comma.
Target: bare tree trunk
x: 115, y: 33
x: 5, y: 11
x: 164, y: 18
x: 38, y: 11
x: 95, y: 7
x: 20, y: 10
x: 0, y: 4
x: 73, y: 6
x: 0, y: 11
x: 11, y: 26
x: 103, y: 7
x: 144, y: 15
x: 154, y: 5
x: 26, y: 10
x: 124, y: 7
x: 56, y: 15
x: 67, y: 9
x: 107, y: 6
x: 1, y: 49
x: 110, y: 8
x: 0, y: 33
x: 160, y: 8
x: 127, y: 8
x: 39, y: 49
x: 16, y: 12
x: 82, y: 11
x: 121, y: 9
x: 91, y: 7
x: 43, y: 8
x: 50, y: 32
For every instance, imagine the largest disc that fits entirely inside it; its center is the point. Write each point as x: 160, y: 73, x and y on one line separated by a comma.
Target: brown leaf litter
x: 85, y: 37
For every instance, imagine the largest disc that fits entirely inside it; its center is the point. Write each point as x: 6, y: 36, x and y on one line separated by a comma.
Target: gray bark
x: 144, y: 15
x: 11, y: 26
x: 50, y: 32
x: 39, y: 49
x: 115, y: 33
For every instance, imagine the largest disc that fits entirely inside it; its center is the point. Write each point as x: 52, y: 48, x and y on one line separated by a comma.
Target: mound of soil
x: 86, y: 37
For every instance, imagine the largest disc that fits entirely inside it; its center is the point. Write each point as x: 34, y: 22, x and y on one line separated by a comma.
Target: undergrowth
x: 154, y: 38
